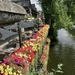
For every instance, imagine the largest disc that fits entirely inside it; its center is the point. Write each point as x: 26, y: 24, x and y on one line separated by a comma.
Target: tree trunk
x: 51, y: 34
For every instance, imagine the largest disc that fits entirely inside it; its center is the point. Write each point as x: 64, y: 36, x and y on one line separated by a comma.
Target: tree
x: 56, y: 14
x: 71, y: 8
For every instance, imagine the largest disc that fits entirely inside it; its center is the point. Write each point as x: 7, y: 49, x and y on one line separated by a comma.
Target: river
x: 62, y: 53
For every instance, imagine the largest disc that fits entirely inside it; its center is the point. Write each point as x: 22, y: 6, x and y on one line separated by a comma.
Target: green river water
x: 63, y: 53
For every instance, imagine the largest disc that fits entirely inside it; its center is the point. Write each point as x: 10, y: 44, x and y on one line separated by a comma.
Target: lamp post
x: 19, y: 34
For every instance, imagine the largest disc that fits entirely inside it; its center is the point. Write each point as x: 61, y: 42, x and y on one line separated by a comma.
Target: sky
x: 36, y: 4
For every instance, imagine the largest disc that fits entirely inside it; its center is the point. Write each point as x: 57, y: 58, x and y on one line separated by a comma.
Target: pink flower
x: 6, y: 61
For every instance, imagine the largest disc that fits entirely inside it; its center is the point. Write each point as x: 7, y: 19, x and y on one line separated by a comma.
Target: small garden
x: 30, y: 58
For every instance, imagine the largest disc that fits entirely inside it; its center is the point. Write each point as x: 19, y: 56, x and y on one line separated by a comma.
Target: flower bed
x: 18, y: 63
x: 44, y: 56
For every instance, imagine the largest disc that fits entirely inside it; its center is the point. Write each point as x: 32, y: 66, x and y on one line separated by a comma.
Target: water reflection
x: 65, y: 38
x: 63, y: 52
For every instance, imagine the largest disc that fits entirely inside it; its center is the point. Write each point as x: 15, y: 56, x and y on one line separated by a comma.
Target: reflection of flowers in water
x: 58, y: 70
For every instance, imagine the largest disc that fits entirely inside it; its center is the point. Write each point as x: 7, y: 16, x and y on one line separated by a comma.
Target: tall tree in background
x: 71, y: 8
x: 48, y: 9
x: 57, y: 14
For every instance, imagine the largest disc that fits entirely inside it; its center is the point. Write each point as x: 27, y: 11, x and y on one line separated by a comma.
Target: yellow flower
x: 1, y: 67
x: 20, y: 54
x: 2, y: 71
x: 25, y: 55
x: 19, y: 72
x: 6, y: 72
x: 48, y: 40
x: 14, y: 73
x: 10, y: 72
x: 7, y: 66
